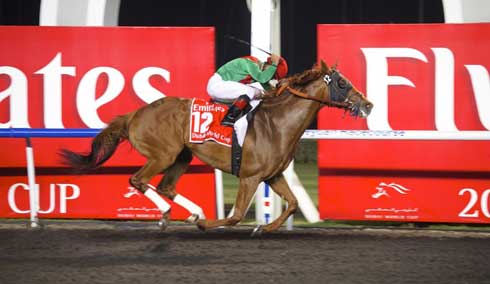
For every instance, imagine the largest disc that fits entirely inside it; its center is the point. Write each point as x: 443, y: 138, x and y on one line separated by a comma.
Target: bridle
x: 339, y: 95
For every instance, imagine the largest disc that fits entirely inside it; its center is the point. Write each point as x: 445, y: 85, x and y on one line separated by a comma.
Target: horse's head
x: 342, y: 94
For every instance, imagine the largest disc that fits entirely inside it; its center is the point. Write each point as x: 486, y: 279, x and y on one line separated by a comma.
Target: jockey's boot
x: 238, y: 106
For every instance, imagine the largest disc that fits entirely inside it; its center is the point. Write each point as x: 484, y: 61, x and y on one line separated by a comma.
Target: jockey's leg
x: 228, y: 91
x: 239, y: 106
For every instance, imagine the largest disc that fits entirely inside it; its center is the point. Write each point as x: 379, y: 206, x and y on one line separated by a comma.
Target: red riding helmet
x: 282, y: 68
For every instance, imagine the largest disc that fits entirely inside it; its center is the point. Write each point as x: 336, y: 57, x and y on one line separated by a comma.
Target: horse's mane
x: 297, y: 81
x: 302, y: 79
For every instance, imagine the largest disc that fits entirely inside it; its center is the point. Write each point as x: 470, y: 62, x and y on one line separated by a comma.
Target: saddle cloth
x: 205, y: 123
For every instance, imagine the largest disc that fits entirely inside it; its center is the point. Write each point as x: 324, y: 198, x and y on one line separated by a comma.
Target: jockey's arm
x: 267, y: 86
x: 259, y: 75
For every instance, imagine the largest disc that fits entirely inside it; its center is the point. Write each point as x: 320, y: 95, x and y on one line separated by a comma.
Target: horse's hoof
x: 192, y: 219
x: 163, y: 224
x: 201, y: 224
x: 257, y: 232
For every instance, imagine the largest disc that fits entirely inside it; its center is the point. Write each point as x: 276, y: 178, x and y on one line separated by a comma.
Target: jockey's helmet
x: 282, y: 68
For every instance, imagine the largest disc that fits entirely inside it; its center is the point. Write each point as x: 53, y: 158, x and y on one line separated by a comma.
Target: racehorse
x: 160, y: 132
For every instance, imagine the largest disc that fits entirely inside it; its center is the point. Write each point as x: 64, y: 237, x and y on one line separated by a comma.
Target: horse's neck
x: 293, y: 115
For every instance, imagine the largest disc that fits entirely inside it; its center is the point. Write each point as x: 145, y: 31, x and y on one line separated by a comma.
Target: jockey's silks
x: 246, y: 71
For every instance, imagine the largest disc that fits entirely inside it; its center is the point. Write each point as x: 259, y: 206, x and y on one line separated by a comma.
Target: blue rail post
x: 27, y: 133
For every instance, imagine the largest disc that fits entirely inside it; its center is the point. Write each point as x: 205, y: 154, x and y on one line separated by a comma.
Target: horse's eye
x: 342, y: 84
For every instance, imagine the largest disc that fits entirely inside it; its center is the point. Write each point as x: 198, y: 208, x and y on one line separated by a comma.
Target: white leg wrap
x: 158, y: 200
x: 189, y: 205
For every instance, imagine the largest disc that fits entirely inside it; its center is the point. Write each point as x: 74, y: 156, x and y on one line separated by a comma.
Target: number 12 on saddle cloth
x: 205, y: 123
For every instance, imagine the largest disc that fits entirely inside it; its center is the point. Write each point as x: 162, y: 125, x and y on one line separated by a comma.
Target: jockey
x: 244, y: 79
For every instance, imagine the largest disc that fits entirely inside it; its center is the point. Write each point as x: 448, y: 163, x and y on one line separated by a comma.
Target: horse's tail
x: 103, y: 146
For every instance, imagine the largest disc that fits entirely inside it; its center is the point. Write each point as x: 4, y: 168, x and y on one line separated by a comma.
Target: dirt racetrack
x: 137, y: 252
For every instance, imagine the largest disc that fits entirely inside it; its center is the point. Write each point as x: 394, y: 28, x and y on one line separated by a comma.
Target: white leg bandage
x: 158, y: 200
x: 189, y: 206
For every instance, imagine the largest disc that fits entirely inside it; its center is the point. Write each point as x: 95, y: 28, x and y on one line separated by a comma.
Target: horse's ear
x: 324, y: 67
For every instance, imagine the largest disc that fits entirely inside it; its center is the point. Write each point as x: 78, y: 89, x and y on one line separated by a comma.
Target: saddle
x: 205, y: 125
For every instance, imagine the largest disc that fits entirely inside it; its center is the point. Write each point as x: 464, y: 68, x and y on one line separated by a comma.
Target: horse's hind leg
x: 169, y: 180
x: 173, y: 173
x: 140, y: 181
x: 246, y: 191
x: 280, y: 186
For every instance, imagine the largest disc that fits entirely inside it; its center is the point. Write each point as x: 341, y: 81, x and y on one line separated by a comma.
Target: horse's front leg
x: 280, y: 186
x: 246, y: 191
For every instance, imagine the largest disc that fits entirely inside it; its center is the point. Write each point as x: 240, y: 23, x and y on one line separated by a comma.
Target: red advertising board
x: 99, y: 197
x: 81, y: 77
x: 419, y: 77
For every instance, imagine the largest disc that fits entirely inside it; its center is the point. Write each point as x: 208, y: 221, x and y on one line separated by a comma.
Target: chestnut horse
x: 160, y: 132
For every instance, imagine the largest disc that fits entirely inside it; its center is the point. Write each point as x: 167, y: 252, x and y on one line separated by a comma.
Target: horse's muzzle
x: 364, y: 109
x: 360, y: 109
x: 358, y: 105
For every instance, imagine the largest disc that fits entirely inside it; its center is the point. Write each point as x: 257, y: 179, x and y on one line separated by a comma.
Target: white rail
x: 395, y: 135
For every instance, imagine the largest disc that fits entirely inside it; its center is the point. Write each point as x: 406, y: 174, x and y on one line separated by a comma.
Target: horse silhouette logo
x: 132, y: 191
x: 382, y: 189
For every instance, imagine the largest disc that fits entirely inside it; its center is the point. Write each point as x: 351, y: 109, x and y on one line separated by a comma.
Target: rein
x: 297, y: 93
